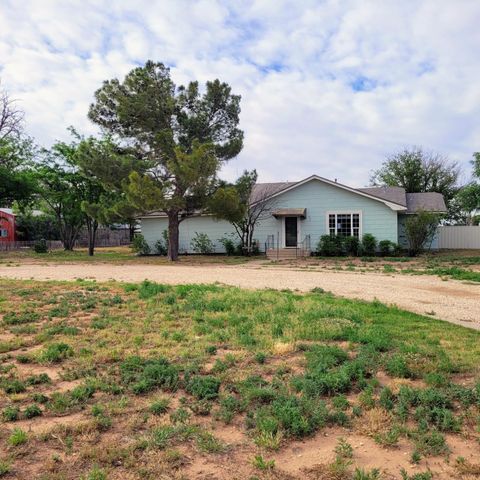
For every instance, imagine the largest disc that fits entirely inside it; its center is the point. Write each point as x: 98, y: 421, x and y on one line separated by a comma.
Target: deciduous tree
x: 238, y: 205
x: 417, y: 170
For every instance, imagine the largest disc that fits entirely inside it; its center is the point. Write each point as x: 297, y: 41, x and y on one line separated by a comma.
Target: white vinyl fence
x: 459, y: 237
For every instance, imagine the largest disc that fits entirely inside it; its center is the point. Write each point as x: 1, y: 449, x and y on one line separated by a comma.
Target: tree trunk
x: 131, y: 230
x: 92, y: 226
x: 173, y: 224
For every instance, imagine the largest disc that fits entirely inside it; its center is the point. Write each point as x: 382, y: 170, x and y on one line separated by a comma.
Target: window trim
x: 344, y: 212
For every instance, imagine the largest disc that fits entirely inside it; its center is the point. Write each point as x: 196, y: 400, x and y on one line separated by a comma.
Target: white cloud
x: 296, y: 65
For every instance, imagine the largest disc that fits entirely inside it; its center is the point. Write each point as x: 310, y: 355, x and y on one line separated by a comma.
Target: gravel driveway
x: 450, y: 300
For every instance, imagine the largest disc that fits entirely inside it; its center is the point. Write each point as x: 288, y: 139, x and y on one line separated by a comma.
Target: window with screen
x: 345, y: 224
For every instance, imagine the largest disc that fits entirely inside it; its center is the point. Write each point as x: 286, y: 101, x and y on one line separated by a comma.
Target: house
x: 300, y: 212
x: 7, y: 225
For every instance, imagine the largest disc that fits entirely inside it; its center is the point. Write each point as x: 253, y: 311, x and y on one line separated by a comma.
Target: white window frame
x: 299, y: 231
x: 3, y: 233
x: 345, y: 212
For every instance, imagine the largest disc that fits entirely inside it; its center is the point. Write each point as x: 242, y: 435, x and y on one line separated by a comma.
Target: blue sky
x: 328, y: 87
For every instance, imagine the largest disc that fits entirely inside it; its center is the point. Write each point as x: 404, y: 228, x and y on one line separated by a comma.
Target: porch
x: 288, y: 242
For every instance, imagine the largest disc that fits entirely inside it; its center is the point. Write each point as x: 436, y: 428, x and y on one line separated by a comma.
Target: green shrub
x: 203, y: 387
x: 331, y: 245
x: 369, y: 245
x: 10, y: 414
x: 32, y: 411
x: 386, y: 248
x: 420, y: 230
x: 55, y: 353
x: 160, y: 248
x: 201, y: 243
x: 140, y: 245
x: 228, y: 245
x: 40, y: 246
x: 352, y: 246
x: 161, y: 245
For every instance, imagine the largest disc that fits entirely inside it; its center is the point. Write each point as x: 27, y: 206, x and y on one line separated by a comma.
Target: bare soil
x: 455, y: 301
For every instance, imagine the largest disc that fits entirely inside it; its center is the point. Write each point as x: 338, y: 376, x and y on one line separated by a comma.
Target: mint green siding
x: 152, y: 229
x: 317, y: 197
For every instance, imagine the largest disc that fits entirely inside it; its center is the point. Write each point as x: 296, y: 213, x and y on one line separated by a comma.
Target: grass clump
x: 397, y: 366
x: 19, y: 318
x: 5, y: 468
x: 343, y: 449
x: 430, y: 444
x: 203, y: 387
x: 32, y: 411
x: 63, y: 402
x: 17, y: 437
x: 262, y: 464
x: 149, y: 289
x: 160, y: 406
x: 12, y: 385
x: 144, y: 375
x: 10, y: 414
x: 55, y: 353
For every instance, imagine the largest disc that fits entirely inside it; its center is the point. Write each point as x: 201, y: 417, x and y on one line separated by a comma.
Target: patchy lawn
x: 144, y: 381
x: 113, y: 255
x: 458, y: 265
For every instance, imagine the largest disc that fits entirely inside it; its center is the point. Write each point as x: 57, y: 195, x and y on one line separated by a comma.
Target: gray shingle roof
x: 429, y: 202
x: 391, y: 194
x: 433, y: 202
x: 261, y: 191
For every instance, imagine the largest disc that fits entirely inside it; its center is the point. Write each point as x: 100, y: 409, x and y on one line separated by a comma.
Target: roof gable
x: 261, y: 193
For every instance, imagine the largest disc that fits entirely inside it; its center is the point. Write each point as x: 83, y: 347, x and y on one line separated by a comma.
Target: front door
x: 291, y: 231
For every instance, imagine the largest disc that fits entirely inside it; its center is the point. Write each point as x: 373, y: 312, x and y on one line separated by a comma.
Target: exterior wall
x: 317, y: 197
x: 7, y: 224
x: 320, y: 199
x: 152, y: 229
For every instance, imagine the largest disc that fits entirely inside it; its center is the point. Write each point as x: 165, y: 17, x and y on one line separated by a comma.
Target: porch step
x: 286, y: 253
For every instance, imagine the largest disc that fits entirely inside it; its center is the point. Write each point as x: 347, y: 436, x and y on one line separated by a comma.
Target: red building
x: 7, y: 225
